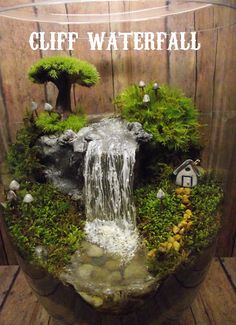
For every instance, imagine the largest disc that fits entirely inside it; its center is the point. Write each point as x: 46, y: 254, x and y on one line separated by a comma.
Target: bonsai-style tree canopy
x: 63, y: 72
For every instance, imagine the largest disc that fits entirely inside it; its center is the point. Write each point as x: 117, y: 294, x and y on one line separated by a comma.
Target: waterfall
x: 108, y: 175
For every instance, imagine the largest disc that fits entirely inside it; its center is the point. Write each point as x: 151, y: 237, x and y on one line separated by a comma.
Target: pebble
x: 112, y: 265
x: 100, y: 274
x: 94, y: 251
x: 134, y: 271
x: 115, y: 277
x: 85, y: 271
x: 92, y: 300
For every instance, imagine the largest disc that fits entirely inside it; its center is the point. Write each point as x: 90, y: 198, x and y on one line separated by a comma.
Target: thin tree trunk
x: 63, y: 103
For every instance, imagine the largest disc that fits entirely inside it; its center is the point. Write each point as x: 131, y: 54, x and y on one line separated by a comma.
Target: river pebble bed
x: 105, y: 281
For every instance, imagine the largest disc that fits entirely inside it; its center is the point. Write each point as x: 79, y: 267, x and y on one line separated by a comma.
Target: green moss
x: 170, y: 116
x: 52, y: 123
x: 51, y: 221
x: 156, y: 221
x: 205, y: 199
x: 22, y: 156
x: 56, y: 68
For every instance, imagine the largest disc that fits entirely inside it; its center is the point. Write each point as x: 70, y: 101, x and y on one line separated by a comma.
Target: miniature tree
x: 63, y: 72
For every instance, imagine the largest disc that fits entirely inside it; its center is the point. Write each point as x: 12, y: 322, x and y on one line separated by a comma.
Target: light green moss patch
x: 52, y: 123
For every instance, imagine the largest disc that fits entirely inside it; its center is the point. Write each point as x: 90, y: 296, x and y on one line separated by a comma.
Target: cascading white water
x: 108, y: 174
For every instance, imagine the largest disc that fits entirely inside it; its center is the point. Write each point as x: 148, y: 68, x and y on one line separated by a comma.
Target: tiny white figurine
x: 48, y: 108
x: 34, y: 107
x: 187, y: 173
x: 28, y: 198
x: 146, y: 99
x: 141, y: 84
x: 41, y: 252
x: 160, y: 194
x: 14, y: 186
x: 156, y: 87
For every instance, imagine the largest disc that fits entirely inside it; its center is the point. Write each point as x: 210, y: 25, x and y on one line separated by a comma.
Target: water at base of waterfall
x: 121, y: 240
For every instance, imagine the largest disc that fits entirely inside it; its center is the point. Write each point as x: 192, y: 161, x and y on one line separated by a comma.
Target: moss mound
x: 169, y: 116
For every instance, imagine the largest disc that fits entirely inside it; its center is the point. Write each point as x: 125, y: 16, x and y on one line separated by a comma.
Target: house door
x: 187, y: 181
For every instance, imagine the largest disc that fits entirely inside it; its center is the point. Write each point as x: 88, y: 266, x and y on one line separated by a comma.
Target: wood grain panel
x: 212, y: 305
x: 7, y: 276
x: 51, y: 90
x: 205, y: 69
x: 17, y: 58
x: 99, y: 98
x: 131, y: 66
x: 182, y: 64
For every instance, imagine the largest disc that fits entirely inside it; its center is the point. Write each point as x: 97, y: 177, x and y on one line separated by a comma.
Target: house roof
x: 185, y: 164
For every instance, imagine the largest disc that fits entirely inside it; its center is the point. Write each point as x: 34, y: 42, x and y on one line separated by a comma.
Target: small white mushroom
x: 160, y: 194
x: 14, y: 185
x: 28, y: 198
x: 141, y: 84
x: 34, y: 106
x: 155, y: 86
x: 146, y: 99
x: 11, y: 196
x: 40, y: 252
x: 48, y: 107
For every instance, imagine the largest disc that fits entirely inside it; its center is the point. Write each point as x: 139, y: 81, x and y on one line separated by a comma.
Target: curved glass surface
x: 101, y: 11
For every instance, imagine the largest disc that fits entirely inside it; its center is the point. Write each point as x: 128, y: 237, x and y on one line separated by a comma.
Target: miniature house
x: 187, y: 174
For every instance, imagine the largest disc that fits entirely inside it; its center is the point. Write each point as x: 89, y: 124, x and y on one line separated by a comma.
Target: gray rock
x: 138, y: 132
x: 67, y: 137
x: 80, y: 145
x: 64, y: 155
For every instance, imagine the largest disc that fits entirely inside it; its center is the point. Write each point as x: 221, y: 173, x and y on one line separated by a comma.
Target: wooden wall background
x: 208, y: 76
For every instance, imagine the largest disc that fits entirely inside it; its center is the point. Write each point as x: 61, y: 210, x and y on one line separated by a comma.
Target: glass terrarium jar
x: 119, y: 113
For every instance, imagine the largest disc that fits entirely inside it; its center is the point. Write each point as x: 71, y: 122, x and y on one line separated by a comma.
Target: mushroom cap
x: 11, y: 196
x: 28, y: 198
x: 160, y: 194
x: 141, y: 84
x: 14, y: 185
x: 48, y: 107
x: 146, y: 98
x: 155, y: 86
x: 34, y: 106
x: 41, y: 251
